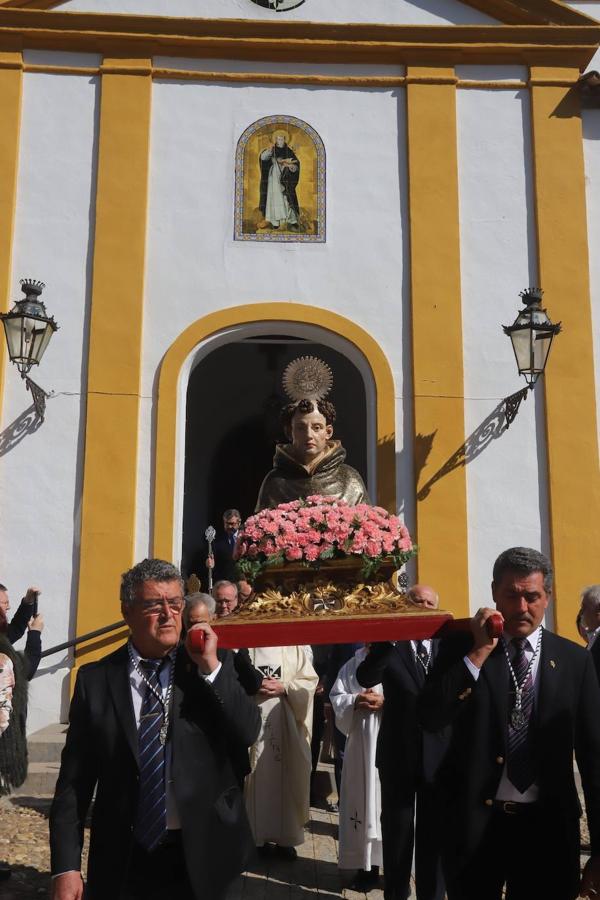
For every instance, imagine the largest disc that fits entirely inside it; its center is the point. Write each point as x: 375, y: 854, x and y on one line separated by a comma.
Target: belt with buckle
x: 513, y: 808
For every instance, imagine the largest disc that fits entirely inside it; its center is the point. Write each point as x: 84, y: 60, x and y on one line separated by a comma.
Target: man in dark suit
x: 222, y: 562
x: 590, y: 619
x: 520, y: 706
x: 407, y: 760
x: 156, y: 729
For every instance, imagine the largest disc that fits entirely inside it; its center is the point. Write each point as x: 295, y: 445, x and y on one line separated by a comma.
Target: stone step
x: 40, y: 781
x: 46, y: 744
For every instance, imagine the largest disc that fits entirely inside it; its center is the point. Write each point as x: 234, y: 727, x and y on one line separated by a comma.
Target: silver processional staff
x: 210, y: 535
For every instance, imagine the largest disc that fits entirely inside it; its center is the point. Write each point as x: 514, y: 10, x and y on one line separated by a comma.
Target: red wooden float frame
x: 236, y: 633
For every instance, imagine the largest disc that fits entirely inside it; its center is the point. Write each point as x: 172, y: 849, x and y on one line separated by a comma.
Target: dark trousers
x: 532, y: 852
x: 401, y: 832
x: 159, y: 875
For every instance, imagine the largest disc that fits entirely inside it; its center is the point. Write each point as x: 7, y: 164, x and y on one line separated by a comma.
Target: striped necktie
x: 520, y: 765
x: 151, y: 820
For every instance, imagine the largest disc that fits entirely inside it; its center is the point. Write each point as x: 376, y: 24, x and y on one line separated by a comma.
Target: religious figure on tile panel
x: 279, y: 5
x: 280, y: 182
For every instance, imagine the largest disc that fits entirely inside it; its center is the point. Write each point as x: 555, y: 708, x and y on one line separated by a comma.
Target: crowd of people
x: 454, y: 756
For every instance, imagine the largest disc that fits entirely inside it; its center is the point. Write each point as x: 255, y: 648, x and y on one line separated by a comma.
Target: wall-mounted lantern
x: 28, y: 329
x: 531, y: 335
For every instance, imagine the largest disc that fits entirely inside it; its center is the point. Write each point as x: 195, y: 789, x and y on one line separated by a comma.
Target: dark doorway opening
x: 232, y: 424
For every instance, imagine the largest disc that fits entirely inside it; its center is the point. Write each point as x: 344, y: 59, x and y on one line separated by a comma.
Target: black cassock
x: 289, y: 179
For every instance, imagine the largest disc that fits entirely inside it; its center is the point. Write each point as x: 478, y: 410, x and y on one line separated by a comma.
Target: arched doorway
x: 314, y: 324
x: 234, y: 395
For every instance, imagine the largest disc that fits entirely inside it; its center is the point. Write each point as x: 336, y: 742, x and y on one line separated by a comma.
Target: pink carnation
x: 293, y: 553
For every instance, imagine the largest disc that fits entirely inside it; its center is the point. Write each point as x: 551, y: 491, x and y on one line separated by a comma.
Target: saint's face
x: 522, y: 600
x: 226, y: 601
x: 154, y: 633
x: 280, y: 140
x: 310, y: 433
x: 4, y: 604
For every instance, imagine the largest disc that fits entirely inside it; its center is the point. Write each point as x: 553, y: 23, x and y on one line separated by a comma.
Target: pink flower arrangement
x: 321, y: 528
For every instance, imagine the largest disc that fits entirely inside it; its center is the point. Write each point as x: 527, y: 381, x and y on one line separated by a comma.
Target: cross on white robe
x: 360, y: 800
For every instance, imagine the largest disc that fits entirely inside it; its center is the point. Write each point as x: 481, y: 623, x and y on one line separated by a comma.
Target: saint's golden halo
x: 280, y: 133
x: 307, y: 378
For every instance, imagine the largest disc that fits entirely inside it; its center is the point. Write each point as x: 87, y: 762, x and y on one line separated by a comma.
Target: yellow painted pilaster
x: 437, y: 332
x: 11, y: 88
x: 111, y: 438
x: 573, y: 475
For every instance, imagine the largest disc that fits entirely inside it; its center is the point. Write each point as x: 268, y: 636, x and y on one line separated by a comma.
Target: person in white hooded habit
x: 358, y: 715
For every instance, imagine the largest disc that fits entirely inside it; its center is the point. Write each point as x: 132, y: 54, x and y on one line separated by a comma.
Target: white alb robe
x: 277, y: 791
x: 360, y: 800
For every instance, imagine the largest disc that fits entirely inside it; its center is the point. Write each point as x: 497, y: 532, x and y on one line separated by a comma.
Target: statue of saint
x: 312, y: 462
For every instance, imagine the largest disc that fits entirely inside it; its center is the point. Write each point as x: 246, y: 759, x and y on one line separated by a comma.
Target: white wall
x: 40, y: 475
x: 506, y: 482
x: 193, y: 264
x: 409, y: 12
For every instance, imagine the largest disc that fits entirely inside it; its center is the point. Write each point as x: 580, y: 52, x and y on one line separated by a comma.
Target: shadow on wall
x: 493, y: 426
x: 26, y: 423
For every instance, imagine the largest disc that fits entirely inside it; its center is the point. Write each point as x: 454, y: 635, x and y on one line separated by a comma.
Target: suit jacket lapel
x: 405, y: 652
x: 548, y: 675
x: 120, y: 689
x: 495, y: 672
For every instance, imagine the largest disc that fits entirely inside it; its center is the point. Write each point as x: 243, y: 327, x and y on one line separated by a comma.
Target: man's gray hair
x: 197, y: 599
x: 592, y: 595
x: 230, y: 513
x: 224, y: 583
x: 524, y: 560
x: 147, y: 570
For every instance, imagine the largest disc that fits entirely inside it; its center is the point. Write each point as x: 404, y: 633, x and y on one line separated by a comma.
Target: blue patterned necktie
x: 151, y: 820
x: 520, y: 766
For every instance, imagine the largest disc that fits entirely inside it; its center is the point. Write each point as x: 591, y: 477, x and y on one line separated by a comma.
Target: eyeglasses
x: 154, y: 607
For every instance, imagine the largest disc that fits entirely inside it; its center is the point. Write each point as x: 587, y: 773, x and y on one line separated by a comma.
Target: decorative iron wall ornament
x: 280, y: 182
x: 279, y: 5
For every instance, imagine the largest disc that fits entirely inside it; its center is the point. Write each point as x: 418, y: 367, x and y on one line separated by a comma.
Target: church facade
x: 375, y: 180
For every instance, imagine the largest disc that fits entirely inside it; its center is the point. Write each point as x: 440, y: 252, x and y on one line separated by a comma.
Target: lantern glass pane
x: 12, y: 329
x: 541, y: 349
x: 42, y: 340
x: 521, y: 341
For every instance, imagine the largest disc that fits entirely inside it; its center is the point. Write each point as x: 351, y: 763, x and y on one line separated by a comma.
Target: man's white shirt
x: 506, y: 789
x: 138, y: 690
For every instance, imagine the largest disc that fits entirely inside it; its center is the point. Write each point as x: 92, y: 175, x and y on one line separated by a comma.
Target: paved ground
x: 24, y: 844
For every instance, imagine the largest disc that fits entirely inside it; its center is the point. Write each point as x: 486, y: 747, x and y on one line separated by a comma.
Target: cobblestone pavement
x: 24, y: 844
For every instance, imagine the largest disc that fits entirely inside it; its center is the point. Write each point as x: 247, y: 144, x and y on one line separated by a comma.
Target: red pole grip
x: 197, y: 640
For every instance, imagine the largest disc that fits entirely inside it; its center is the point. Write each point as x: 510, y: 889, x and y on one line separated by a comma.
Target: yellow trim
x: 11, y: 89
x: 574, y: 479
x: 127, y: 36
x: 325, y: 80
x: 546, y: 12
x: 166, y: 426
x: 437, y: 330
x: 108, y: 518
